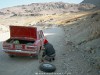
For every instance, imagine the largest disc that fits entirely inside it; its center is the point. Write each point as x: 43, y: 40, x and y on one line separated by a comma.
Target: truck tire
x: 11, y: 56
x: 47, y: 67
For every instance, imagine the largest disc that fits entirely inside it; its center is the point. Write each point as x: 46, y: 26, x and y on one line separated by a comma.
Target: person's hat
x: 45, y: 41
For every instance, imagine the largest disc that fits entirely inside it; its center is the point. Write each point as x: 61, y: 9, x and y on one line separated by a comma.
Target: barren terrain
x: 74, y: 35
x: 74, y: 53
x: 69, y: 60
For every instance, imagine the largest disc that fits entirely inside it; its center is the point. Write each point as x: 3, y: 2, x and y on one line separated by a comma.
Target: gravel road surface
x: 69, y: 61
x: 27, y: 65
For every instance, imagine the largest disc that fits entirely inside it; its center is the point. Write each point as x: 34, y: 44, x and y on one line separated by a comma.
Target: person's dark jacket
x: 49, y: 49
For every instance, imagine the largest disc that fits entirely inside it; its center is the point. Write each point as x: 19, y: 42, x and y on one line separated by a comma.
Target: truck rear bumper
x: 20, y: 51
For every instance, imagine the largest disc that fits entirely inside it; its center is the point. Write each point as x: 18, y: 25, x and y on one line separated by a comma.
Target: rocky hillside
x: 95, y: 2
x: 37, y: 9
x: 84, y: 34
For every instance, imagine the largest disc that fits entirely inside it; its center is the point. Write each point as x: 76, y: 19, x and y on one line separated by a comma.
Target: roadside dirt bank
x: 83, y: 36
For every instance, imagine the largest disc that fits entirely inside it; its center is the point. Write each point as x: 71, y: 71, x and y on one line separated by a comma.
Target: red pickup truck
x: 24, y: 41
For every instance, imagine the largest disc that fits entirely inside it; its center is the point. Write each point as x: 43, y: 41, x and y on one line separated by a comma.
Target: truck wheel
x: 36, y: 56
x: 11, y: 56
x: 47, y: 67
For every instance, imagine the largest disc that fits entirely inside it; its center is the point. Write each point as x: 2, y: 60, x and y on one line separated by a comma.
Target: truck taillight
x: 6, y: 46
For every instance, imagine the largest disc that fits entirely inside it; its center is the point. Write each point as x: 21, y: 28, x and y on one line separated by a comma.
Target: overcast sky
x: 9, y: 3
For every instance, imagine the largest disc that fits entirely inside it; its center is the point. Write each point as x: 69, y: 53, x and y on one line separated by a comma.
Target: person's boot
x: 50, y: 60
x: 53, y: 58
x: 41, y: 61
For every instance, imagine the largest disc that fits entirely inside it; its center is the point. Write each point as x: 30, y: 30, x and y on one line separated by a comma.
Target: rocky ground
x: 69, y: 59
x: 84, y: 36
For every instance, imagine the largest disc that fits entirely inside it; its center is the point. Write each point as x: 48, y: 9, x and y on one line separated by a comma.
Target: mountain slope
x: 36, y: 9
x: 95, y: 2
x: 85, y: 35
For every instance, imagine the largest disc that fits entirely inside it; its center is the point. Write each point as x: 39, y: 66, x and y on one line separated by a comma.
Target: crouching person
x: 48, y: 52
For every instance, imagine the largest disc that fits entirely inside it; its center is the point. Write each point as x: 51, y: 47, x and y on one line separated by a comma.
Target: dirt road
x: 69, y: 61
x: 27, y: 65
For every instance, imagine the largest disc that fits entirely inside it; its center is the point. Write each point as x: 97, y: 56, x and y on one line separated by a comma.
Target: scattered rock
x: 69, y: 43
x: 90, y: 50
x: 89, y: 70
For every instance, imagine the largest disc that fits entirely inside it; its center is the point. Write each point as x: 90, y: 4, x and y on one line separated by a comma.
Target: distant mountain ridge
x: 95, y: 2
x: 36, y: 9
